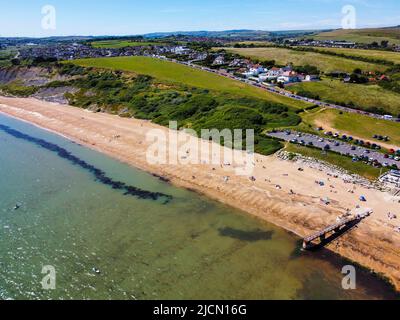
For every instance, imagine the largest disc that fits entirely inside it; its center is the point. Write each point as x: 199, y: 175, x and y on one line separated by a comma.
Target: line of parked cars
x: 357, y: 150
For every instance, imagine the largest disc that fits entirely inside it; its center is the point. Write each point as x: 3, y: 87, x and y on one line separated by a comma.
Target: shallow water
x: 145, y: 248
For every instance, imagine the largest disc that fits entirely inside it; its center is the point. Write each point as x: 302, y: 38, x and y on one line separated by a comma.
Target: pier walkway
x: 334, y: 231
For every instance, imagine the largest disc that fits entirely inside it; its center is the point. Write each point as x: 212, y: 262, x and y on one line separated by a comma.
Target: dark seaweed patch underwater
x: 251, y: 236
x: 99, y: 174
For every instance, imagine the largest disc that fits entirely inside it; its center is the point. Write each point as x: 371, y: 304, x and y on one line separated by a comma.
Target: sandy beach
x: 278, y: 191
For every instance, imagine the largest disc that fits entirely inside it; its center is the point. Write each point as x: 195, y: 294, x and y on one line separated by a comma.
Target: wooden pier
x: 332, y: 232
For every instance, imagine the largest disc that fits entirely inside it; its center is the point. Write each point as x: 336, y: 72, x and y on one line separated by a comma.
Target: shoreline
x: 374, y: 245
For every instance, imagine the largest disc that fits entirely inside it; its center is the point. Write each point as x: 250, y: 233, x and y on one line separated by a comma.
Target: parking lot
x: 358, y: 153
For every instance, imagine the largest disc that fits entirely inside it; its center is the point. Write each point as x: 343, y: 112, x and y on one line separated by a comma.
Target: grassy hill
x: 177, y: 73
x: 362, y: 35
x: 145, y: 97
x: 363, y: 97
x: 324, y: 63
x: 354, y: 124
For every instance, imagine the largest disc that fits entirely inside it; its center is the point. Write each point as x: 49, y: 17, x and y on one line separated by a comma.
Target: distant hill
x: 369, y: 35
x: 232, y: 34
x: 212, y: 34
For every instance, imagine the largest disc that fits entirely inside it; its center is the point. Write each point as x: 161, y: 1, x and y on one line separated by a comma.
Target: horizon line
x: 192, y: 31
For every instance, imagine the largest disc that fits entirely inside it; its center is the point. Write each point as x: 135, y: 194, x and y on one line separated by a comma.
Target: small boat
x: 17, y: 206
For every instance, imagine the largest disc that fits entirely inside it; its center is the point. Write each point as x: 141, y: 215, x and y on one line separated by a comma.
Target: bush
x: 19, y: 90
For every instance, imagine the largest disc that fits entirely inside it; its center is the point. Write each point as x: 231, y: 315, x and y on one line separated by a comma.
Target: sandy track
x: 374, y: 244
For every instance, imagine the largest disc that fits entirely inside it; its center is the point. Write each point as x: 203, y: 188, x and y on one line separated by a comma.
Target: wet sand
x: 295, y: 205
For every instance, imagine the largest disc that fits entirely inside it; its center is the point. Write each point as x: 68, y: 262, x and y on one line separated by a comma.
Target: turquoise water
x: 188, y: 248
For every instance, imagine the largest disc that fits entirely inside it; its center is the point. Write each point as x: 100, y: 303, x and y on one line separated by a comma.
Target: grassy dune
x: 362, y: 35
x: 325, y: 63
x: 176, y: 73
x: 363, y: 96
x: 354, y: 124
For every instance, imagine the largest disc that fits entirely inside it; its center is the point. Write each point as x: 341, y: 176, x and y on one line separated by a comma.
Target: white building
x: 257, y: 70
x: 311, y: 77
x: 289, y: 77
x: 180, y: 50
x: 391, y: 178
x: 220, y: 60
x: 274, y: 73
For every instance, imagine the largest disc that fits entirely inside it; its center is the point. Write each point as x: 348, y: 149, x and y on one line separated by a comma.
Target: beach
x: 276, y: 191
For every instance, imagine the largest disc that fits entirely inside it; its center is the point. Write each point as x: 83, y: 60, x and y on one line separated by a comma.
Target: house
x: 180, y: 50
x: 274, y: 72
x: 257, y: 69
x: 262, y: 77
x: 384, y: 78
x: 289, y: 77
x: 254, y: 71
x: 236, y: 63
x: 301, y: 77
x: 198, y: 56
x: 220, y: 60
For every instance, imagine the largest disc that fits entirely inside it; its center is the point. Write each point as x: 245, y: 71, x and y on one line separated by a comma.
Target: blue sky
x: 127, y: 17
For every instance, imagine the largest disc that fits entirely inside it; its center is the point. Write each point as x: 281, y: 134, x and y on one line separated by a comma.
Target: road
x: 281, y: 91
x: 334, y: 145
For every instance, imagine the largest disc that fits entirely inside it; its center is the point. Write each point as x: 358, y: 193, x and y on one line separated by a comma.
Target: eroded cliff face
x: 37, y: 77
x: 33, y: 76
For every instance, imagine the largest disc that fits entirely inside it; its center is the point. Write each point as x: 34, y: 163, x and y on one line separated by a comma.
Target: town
x: 221, y: 62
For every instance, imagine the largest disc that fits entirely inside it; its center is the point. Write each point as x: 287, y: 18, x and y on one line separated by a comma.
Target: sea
x: 76, y: 224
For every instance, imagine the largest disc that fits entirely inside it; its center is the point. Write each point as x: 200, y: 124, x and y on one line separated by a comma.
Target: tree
x: 384, y: 43
x: 15, y: 62
x: 357, y: 78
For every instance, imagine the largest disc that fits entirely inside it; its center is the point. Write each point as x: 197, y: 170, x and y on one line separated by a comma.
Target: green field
x: 362, y: 35
x: 323, y: 62
x: 177, y: 73
x: 363, y: 53
x: 108, y: 44
x: 249, y: 42
x: 362, y: 96
x: 346, y: 163
x: 357, y: 125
